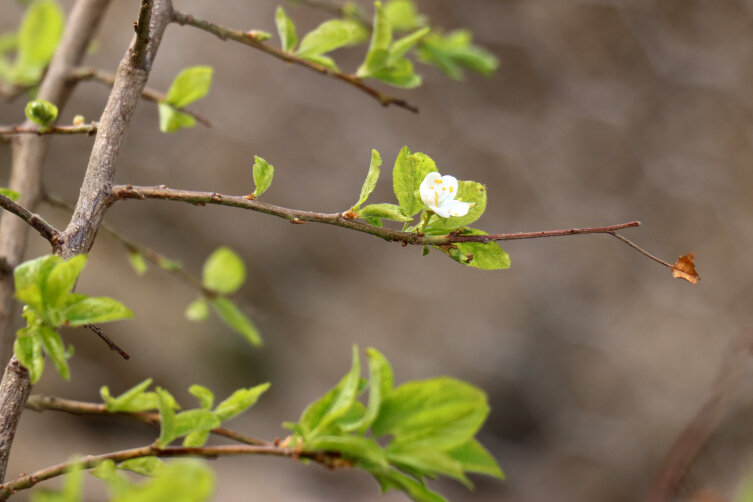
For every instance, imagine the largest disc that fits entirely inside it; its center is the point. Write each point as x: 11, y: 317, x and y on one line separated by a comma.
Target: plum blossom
x: 438, y: 193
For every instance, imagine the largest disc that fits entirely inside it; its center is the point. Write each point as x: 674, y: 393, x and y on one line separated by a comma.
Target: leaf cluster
x: 189, y: 85
x: 45, y: 285
x: 428, y: 428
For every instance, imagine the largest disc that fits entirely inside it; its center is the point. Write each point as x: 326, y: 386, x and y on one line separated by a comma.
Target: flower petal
x: 428, y: 189
x: 455, y: 208
x: 447, y: 188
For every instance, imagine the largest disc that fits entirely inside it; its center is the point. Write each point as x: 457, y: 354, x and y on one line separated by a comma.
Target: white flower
x: 438, y: 193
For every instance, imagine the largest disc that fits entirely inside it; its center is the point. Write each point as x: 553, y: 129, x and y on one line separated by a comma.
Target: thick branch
x: 248, y: 38
x: 42, y: 403
x: 120, y: 192
x: 147, y: 94
x: 130, y: 81
x: 89, y: 129
x: 37, y: 222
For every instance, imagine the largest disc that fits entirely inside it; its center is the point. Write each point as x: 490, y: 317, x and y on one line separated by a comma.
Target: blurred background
x: 593, y: 357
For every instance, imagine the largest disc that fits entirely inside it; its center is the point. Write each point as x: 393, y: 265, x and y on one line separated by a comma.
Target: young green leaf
x: 468, y: 191
x: 426, y: 461
x: 54, y: 347
x: 28, y: 350
x: 409, y: 171
x: 325, y: 61
x: 236, y: 320
x: 239, y: 401
x: 371, y: 179
x: 62, y: 279
x: 194, y: 421
x: 180, y: 481
x: 190, y: 85
x: 196, y: 439
x: 487, y: 256
x: 403, y: 15
x: 453, y: 51
x: 204, y: 395
x: 224, y: 271
x: 93, y: 310
x: 392, y: 479
x: 437, y: 413
x: 403, y: 45
x: 138, y: 263
x: 384, y: 211
x: 30, y: 279
x: 41, y: 112
x: 167, y: 417
x: 71, y: 491
x: 197, y: 310
x: 333, y: 406
x: 263, y: 174
x: 11, y: 194
x: 38, y: 37
x: 170, y: 119
x: 380, y: 385
x: 358, y: 448
x: 286, y: 30
x: 124, y: 402
x: 146, y: 466
x: 475, y: 458
x: 331, y: 35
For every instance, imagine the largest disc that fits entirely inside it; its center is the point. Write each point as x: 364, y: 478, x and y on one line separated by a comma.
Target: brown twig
x: 37, y: 222
x: 89, y: 129
x: 641, y: 250
x: 147, y: 94
x: 43, y: 403
x: 120, y: 192
x: 113, y: 346
x: 248, y: 38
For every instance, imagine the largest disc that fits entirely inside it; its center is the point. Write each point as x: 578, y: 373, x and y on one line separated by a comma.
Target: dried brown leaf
x: 684, y: 268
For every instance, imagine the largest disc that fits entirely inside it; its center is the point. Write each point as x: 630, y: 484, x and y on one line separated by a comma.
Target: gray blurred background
x: 593, y: 357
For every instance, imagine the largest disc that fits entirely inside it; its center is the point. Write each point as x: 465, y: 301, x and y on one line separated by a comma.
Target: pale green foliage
x: 371, y: 179
x: 430, y: 424
x: 138, y: 262
x: 286, y: 30
x: 45, y: 285
x: 71, y: 491
x: 403, y: 15
x: 179, y: 481
x: 263, y: 173
x: 224, y: 271
x: 41, y: 112
x: 197, y: 310
x: 329, y: 36
x: 35, y: 43
x: 454, y: 51
x: 410, y: 170
x: 237, y: 320
x: 190, y: 85
x: 11, y: 194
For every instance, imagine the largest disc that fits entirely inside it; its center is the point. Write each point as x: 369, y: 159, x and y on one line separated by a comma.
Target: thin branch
x: 48, y: 403
x: 113, y: 346
x: 641, y: 250
x: 120, y: 192
x: 37, y: 222
x: 147, y: 94
x: 209, y: 452
x: 250, y: 39
x: 89, y: 129
x: 139, y: 50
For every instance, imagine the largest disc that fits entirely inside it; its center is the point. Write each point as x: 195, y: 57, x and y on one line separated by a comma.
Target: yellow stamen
x: 436, y: 198
x: 439, y: 182
x: 452, y: 189
x: 443, y: 189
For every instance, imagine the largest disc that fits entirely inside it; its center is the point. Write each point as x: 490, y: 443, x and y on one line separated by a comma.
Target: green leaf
x: 410, y: 170
x: 473, y: 457
x: 260, y: 35
x: 426, y: 461
x: 41, y: 112
x: 452, y: 52
x: 325, y: 61
x: 146, y: 466
x: 371, y: 179
x: 168, y: 426
x: 195, y: 420
x: 38, y: 38
x: 170, y: 119
x: 30, y: 280
x: 403, y: 45
x: 8, y: 42
x: 125, y: 401
x: 28, y: 350
x: 392, y: 479
x: 381, y: 36
x: 239, y: 401
x: 236, y: 320
x: 197, y: 310
x: 93, y: 310
x: 263, y: 174
x: 354, y: 447
x: 169, y: 265
x: 71, y: 491
x: 331, y: 35
x: 286, y: 30
x: 54, y: 347
x: 380, y: 385
x: 179, y: 481
x: 399, y: 74
x: 386, y: 211
x: 403, y: 15
x: 468, y: 191
x: 62, y: 279
x: 487, y: 256
x: 204, y: 395
x: 224, y: 271
x: 196, y: 439
x: 437, y: 413
x: 334, y: 404
x: 190, y: 85
x: 11, y: 194
x: 138, y: 263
